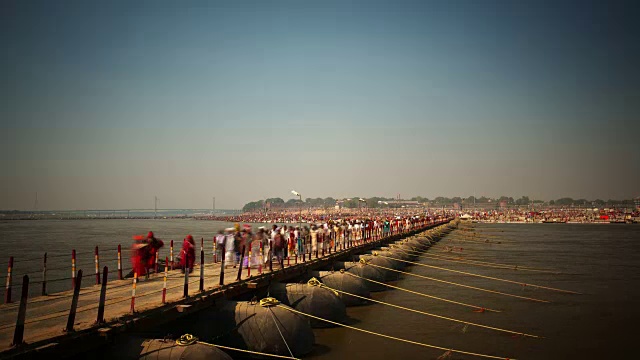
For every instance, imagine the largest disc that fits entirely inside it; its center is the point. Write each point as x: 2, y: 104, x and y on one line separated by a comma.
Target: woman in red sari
x: 188, y: 254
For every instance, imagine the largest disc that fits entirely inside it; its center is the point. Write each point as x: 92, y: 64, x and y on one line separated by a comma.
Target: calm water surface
x: 600, y: 261
x: 28, y: 240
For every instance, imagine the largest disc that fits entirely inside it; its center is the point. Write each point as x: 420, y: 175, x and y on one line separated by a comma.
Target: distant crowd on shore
x: 512, y: 215
x: 319, y: 215
x: 559, y: 215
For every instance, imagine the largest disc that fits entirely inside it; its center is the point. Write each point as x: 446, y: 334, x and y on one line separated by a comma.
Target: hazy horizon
x: 106, y: 105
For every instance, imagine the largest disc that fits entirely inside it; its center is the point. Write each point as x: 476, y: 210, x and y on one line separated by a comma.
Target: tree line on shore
x: 377, y: 202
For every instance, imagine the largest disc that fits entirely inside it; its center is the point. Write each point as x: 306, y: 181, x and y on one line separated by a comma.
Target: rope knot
x: 269, y: 302
x: 375, y: 253
x: 364, y: 262
x: 314, y: 282
x: 341, y: 271
x: 186, y: 340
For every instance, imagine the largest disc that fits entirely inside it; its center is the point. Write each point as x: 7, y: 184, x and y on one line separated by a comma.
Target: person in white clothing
x: 314, y: 240
x: 219, y: 245
x: 229, y: 247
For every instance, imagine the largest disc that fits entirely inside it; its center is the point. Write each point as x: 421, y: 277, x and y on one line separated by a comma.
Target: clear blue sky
x: 106, y: 104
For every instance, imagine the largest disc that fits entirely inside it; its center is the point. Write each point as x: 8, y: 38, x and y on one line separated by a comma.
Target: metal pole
x: 74, y: 302
x: 119, y: 262
x: 215, y: 251
x: 300, y: 216
x: 249, y: 256
x: 260, y: 259
x: 73, y: 268
x: 222, y: 268
x: 103, y: 295
x: 97, y: 261
x: 133, y: 293
x: 185, y: 289
x: 164, y: 284
x: 44, y: 275
x: 240, y: 267
x: 171, y: 255
x: 202, y: 264
x: 18, y: 333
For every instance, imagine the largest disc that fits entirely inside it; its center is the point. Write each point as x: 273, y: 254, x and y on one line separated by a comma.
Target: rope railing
x: 475, y: 307
x: 458, y: 284
x: 394, y: 337
x: 519, y: 267
x: 188, y: 339
x: 499, y: 279
x: 481, y: 263
x: 420, y: 312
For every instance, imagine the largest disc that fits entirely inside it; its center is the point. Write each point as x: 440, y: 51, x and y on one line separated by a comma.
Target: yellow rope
x: 425, y: 295
x: 190, y: 339
x: 396, y: 338
x: 474, y: 235
x: 454, y: 237
x: 458, y: 284
x: 412, y: 252
x: 315, y: 282
x: 430, y: 314
x: 498, y: 279
x: 479, y: 232
x: 505, y: 266
x: 490, y: 264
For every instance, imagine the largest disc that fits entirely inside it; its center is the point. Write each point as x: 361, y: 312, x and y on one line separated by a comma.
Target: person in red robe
x: 143, y: 253
x: 153, y: 246
x: 188, y: 254
x: 138, y: 252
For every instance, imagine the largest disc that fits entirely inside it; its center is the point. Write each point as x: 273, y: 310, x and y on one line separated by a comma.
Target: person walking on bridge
x: 314, y: 240
x: 266, y: 245
x: 219, y: 244
x: 298, y: 238
x: 139, y: 255
x: 188, y: 254
x: 278, y: 246
x: 229, y: 247
x: 154, y: 245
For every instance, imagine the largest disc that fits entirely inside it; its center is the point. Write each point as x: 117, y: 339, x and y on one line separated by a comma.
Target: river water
x: 28, y: 240
x: 600, y: 261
